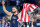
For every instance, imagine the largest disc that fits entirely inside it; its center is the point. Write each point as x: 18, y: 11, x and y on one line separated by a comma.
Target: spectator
x: 0, y: 23
x: 17, y: 2
x: 39, y: 3
x: 8, y: 2
x: 4, y: 20
x: 13, y: 2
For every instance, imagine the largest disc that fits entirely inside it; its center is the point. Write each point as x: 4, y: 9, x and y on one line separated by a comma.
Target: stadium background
x: 10, y: 3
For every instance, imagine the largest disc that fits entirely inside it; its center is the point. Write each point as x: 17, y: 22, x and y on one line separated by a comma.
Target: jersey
x: 14, y: 22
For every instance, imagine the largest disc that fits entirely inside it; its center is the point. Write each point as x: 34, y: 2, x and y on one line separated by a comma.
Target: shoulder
x: 17, y: 15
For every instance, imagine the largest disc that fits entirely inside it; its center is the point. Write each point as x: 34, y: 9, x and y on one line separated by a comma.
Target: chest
x: 14, y: 17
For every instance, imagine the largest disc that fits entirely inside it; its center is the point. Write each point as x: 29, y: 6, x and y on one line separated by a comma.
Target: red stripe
x: 21, y: 16
x: 25, y: 13
x: 31, y: 7
x: 24, y: 6
x: 25, y: 17
x: 28, y: 16
x: 30, y: 10
x: 28, y: 19
x: 22, y: 12
x: 34, y: 5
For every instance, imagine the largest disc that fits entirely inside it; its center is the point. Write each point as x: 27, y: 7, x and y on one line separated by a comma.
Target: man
x: 13, y: 15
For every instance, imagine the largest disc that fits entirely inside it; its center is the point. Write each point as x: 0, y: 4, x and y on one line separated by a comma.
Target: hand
x: 20, y: 22
x: 3, y: 3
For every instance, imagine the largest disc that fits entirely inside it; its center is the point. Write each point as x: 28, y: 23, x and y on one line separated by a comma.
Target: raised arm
x: 4, y: 9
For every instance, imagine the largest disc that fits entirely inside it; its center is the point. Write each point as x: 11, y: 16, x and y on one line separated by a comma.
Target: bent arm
x: 4, y: 9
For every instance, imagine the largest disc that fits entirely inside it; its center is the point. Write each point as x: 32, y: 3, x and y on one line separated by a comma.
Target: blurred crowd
x: 5, y: 19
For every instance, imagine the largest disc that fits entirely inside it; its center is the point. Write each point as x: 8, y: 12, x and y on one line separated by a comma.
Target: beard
x: 14, y: 12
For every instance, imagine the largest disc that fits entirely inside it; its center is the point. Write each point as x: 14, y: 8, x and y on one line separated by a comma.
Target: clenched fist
x: 3, y: 3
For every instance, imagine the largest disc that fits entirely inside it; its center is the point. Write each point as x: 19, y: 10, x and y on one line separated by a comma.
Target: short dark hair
x: 14, y: 7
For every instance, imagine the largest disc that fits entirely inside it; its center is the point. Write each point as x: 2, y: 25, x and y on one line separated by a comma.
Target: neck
x: 15, y: 13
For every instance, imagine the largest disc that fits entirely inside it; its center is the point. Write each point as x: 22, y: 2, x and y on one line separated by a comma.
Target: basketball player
x: 13, y: 15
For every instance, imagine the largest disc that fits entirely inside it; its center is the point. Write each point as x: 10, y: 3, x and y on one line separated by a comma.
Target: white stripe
x: 23, y: 14
x: 25, y: 4
x: 28, y: 5
x: 26, y: 17
x: 31, y: 9
x: 27, y: 25
x: 33, y: 6
x: 19, y: 17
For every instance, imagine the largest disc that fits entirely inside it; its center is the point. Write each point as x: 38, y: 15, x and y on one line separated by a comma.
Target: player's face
x: 14, y: 10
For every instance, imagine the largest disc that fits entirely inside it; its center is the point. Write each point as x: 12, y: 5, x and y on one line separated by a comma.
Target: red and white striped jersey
x: 23, y: 14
